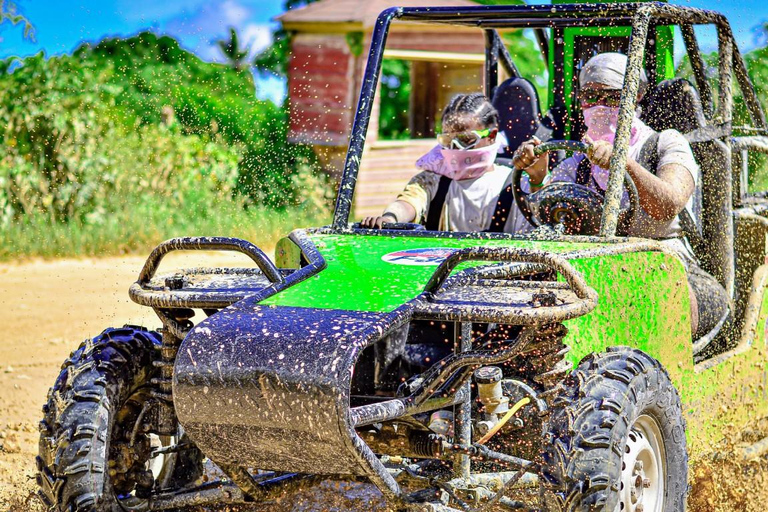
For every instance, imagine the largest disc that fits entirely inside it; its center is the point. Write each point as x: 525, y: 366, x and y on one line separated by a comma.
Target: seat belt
x: 436, y: 205
x: 501, y: 213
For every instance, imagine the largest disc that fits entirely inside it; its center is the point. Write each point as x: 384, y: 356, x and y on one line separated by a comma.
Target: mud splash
x: 725, y: 480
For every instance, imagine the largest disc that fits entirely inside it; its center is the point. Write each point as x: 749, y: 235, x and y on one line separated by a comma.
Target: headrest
x: 673, y: 104
x: 517, y: 101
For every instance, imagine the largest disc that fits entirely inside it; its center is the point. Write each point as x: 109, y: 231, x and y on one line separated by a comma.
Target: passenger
x: 665, y: 180
x: 459, y: 185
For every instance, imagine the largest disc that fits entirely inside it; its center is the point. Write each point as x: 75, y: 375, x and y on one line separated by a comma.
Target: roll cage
x: 644, y: 20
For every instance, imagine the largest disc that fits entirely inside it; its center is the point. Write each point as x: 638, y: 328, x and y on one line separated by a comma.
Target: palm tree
x: 232, y: 51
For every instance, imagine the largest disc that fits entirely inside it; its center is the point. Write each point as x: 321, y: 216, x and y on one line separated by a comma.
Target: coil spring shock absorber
x: 425, y: 444
x: 546, y: 353
x: 176, y: 325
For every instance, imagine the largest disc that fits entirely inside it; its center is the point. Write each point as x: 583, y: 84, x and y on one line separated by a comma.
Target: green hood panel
x: 358, y: 279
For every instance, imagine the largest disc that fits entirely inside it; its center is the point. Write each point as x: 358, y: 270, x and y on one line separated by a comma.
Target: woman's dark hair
x: 463, y: 109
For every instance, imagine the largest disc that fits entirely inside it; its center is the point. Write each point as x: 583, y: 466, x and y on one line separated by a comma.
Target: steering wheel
x: 574, y: 206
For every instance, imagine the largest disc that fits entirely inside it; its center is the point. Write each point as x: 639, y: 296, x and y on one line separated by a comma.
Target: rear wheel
x: 97, y: 440
x: 615, y: 439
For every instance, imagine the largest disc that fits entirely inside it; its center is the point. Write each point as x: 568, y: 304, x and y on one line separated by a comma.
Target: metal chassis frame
x: 641, y: 17
x: 433, y: 393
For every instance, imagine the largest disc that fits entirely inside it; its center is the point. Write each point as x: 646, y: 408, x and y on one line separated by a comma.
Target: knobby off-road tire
x: 615, y: 409
x: 91, y: 411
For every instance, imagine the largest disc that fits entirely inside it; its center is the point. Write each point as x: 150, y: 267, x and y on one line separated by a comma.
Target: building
x: 330, y: 41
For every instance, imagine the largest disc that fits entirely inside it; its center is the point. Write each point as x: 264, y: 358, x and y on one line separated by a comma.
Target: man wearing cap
x: 665, y: 178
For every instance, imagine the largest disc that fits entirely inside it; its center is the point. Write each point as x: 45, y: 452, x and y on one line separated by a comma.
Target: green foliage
x: 139, y: 121
x: 527, y: 57
x: 211, y: 100
x: 147, y: 221
x: 355, y: 43
x: 274, y: 59
x: 395, y: 99
x: 758, y: 73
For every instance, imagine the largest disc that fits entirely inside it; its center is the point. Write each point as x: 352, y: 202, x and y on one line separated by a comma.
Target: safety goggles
x: 462, y: 140
x: 606, y: 97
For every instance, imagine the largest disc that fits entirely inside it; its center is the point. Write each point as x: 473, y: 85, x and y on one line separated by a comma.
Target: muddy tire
x: 83, y: 463
x: 616, y: 438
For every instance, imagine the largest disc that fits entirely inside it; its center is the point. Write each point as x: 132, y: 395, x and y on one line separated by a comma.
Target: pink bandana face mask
x: 462, y: 164
x: 466, y: 164
x: 601, y: 122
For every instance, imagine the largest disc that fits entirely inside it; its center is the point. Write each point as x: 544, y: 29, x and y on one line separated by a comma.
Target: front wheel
x: 615, y: 440
x: 96, y: 442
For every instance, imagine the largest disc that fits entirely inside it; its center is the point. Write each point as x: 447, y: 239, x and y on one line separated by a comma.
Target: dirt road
x: 47, y: 308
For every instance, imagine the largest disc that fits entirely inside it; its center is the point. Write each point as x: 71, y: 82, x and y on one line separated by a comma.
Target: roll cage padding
x: 520, y: 117
x: 675, y: 104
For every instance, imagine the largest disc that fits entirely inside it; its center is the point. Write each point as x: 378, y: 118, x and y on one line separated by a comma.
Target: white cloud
x: 234, y: 13
x: 257, y: 36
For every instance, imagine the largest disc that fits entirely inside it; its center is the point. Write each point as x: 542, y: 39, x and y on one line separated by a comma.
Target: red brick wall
x: 320, y: 80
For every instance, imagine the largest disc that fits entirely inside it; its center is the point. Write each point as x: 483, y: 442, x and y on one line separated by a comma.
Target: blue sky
x: 62, y: 25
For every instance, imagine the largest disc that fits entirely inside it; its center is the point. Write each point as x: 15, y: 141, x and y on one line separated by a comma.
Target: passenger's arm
x: 663, y: 195
x: 399, y: 211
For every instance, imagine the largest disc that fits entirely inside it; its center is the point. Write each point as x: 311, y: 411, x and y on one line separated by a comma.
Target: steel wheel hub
x: 643, y: 469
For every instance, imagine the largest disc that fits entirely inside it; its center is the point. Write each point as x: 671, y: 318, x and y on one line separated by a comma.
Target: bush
x: 141, y: 122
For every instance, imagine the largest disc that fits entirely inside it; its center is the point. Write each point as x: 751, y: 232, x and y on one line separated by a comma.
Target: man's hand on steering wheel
x: 599, y: 152
x: 534, y: 165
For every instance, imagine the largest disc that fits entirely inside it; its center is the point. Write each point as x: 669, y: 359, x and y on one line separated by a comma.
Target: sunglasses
x: 462, y: 140
x: 607, y: 97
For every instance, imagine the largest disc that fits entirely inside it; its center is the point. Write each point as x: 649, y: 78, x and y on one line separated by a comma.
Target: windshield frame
x: 640, y: 16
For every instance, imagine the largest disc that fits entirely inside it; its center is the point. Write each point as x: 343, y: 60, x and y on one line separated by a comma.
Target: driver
x: 459, y: 185
x: 661, y: 165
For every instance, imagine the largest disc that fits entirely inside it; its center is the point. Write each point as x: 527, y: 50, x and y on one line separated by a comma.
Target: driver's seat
x: 675, y: 104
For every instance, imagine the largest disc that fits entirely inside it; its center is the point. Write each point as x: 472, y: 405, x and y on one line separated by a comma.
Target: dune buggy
x: 454, y: 371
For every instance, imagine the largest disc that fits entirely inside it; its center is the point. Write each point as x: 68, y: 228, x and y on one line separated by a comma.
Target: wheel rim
x: 644, y: 469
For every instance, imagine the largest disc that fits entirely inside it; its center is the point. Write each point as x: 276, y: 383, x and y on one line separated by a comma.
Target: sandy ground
x: 47, y: 308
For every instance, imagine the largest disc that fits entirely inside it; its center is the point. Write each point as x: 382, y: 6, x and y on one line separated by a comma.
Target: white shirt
x: 672, y: 148
x: 469, y: 204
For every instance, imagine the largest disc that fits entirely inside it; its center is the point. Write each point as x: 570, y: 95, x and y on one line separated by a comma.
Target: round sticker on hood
x: 425, y: 256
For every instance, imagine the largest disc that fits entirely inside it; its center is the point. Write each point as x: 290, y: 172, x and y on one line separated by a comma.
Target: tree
x: 274, y: 59
x: 232, y: 51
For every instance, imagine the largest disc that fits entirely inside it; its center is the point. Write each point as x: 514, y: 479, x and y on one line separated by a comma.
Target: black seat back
x: 520, y: 118
x: 673, y: 104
